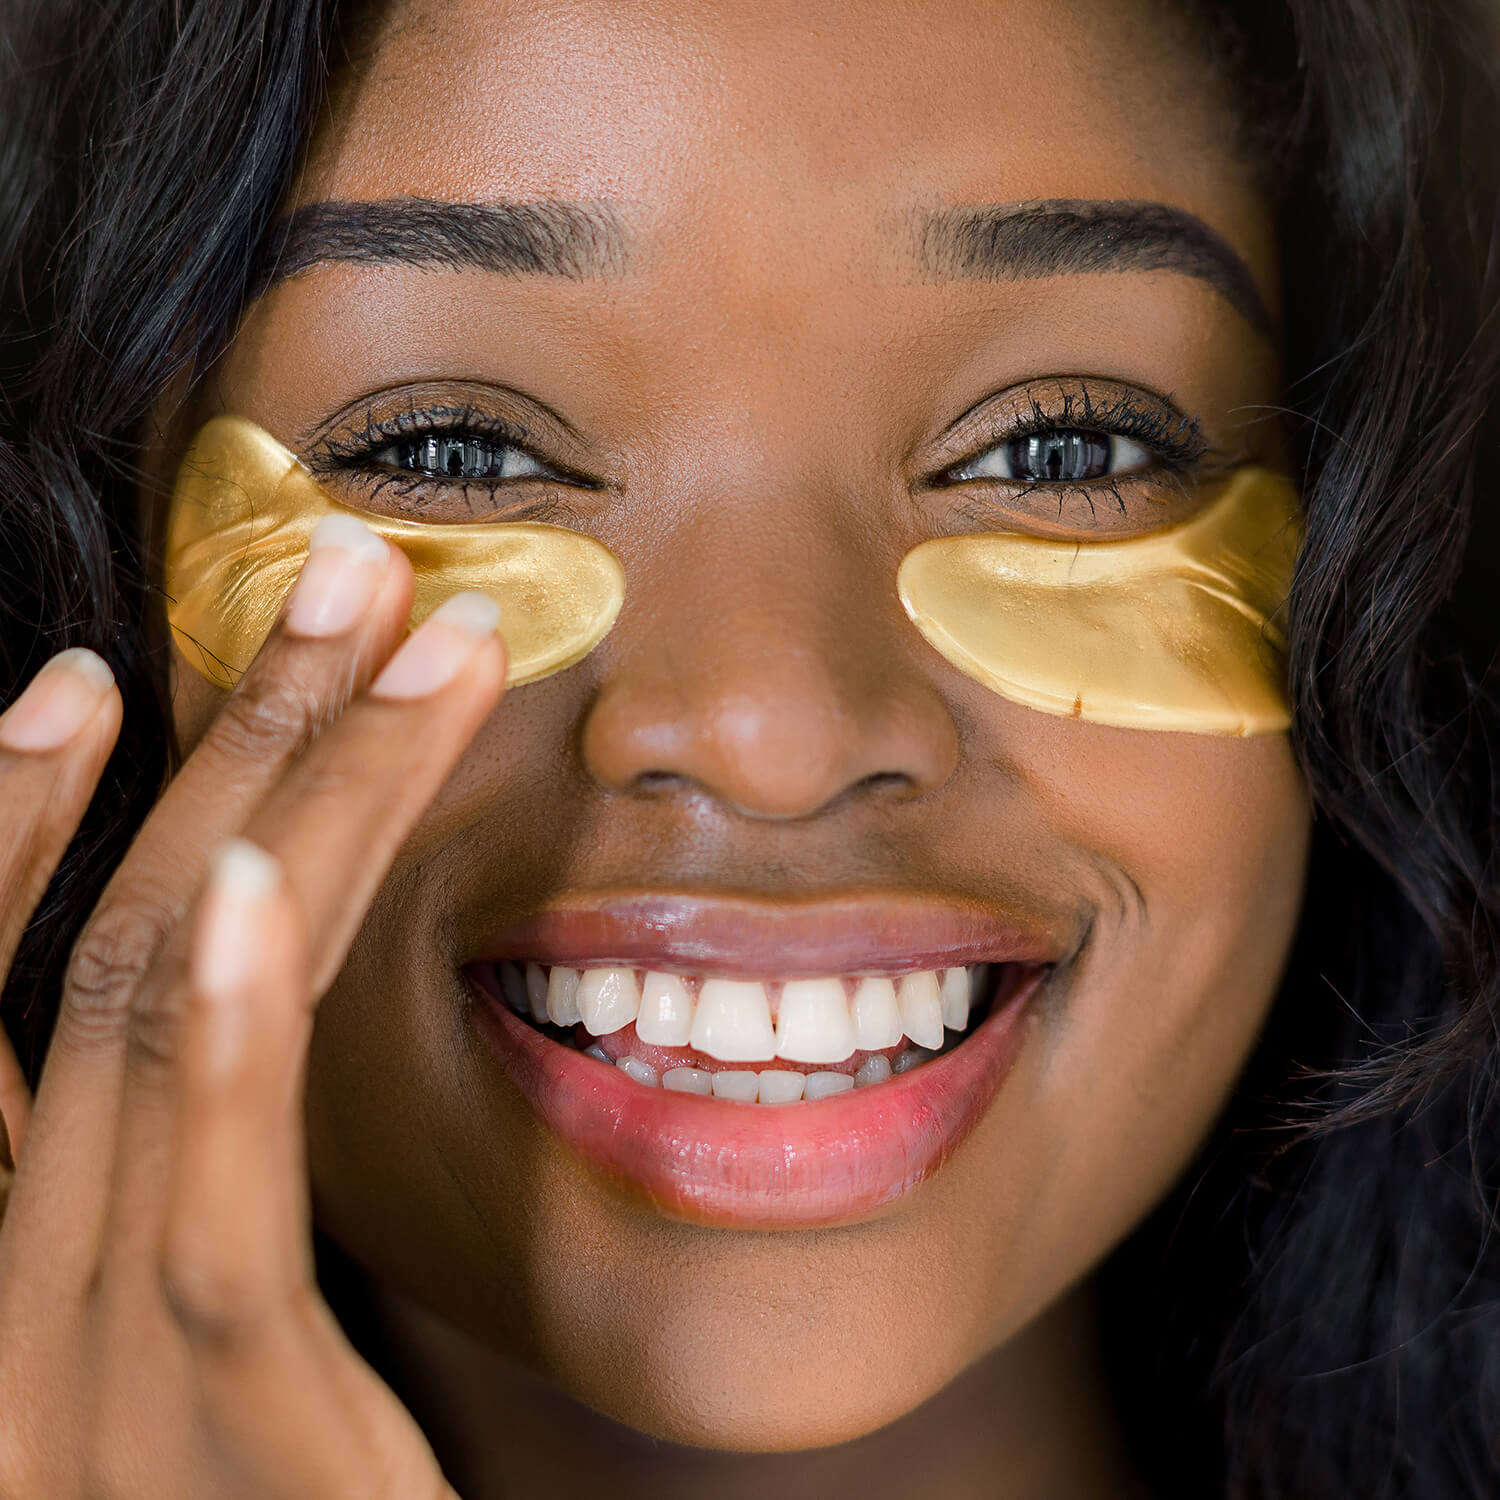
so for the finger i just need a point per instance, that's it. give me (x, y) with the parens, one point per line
(335, 823)
(289, 1403)
(349, 607)
(338, 819)
(54, 741)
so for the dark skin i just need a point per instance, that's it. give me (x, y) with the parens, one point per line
(760, 398)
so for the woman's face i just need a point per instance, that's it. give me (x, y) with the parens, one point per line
(754, 376)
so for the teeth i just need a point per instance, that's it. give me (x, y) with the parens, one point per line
(733, 1021)
(778, 1086)
(597, 1051)
(771, 1085)
(744, 1087)
(955, 997)
(642, 1072)
(536, 991)
(818, 1020)
(877, 1021)
(607, 999)
(813, 1024)
(921, 1004)
(821, 1085)
(513, 987)
(688, 1081)
(666, 1016)
(562, 997)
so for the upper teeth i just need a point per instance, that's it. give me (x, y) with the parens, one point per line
(821, 1020)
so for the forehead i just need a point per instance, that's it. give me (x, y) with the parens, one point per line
(786, 128)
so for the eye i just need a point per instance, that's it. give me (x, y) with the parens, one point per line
(1060, 454)
(459, 456)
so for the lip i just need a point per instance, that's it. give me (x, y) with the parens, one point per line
(722, 1164)
(744, 937)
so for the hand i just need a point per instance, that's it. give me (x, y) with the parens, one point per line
(161, 1331)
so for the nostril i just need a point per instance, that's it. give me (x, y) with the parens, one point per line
(882, 781)
(660, 781)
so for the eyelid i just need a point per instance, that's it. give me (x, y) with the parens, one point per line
(1067, 402)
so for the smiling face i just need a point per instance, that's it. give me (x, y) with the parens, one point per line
(791, 327)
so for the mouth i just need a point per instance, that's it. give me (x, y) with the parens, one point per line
(738, 1101)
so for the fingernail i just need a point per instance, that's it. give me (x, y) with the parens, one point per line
(438, 649)
(58, 702)
(230, 940)
(345, 563)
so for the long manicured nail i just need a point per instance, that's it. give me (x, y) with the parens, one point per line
(439, 648)
(58, 702)
(345, 564)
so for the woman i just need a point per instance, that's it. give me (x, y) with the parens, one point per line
(762, 300)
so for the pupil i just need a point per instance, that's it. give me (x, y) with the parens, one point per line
(1061, 455)
(454, 457)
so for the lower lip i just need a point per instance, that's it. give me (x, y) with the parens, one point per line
(757, 1166)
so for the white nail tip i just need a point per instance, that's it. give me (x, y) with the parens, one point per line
(607, 999)
(347, 534)
(472, 612)
(86, 664)
(244, 871)
(666, 1014)
(562, 997)
(921, 1005)
(813, 1024)
(733, 1021)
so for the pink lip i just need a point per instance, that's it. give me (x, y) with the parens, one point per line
(858, 934)
(751, 1166)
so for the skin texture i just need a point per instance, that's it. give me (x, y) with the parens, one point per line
(761, 389)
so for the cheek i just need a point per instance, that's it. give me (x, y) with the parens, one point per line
(1192, 849)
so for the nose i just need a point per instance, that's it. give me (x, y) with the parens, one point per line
(777, 680)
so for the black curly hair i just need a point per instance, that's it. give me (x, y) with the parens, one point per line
(1314, 1313)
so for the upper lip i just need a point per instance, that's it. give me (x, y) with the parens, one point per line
(856, 933)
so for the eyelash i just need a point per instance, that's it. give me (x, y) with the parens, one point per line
(1172, 437)
(355, 453)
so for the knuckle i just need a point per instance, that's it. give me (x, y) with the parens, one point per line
(107, 965)
(214, 1296)
(268, 715)
(154, 1036)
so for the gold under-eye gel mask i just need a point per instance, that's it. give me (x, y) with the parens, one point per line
(243, 510)
(1175, 629)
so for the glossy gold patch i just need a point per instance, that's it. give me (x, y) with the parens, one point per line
(244, 509)
(1176, 629)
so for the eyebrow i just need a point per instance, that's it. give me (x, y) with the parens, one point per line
(1083, 236)
(544, 238)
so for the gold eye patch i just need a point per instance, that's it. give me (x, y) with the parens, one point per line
(1176, 629)
(243, 510)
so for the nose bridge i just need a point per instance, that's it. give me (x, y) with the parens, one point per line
(760, 663)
